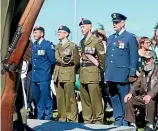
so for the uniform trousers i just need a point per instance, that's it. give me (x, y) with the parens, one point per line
(91, 100)
(118, 91)
(66, 101)
(138, 102)
(44, 102)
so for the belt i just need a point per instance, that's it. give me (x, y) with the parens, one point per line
(65, 65)
(87, 64)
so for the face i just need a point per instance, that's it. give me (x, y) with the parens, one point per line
(148, 64)
(62, 34)
(118, 25)
(86, 29)
(38, 34)
(146, 44)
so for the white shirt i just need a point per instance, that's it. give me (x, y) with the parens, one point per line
(40, 41)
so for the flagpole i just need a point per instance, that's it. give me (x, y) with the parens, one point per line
(75, 22)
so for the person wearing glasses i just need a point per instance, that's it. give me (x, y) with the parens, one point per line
(144, 93)
(67, 63)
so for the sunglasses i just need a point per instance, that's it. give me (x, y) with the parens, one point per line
(147, 59)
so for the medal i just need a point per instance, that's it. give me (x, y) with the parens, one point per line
(121, 44)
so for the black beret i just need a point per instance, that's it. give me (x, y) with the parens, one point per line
(65, 28)
(39, 28)
(118, 17)
(85, 22)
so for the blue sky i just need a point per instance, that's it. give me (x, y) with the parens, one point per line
(142, 15)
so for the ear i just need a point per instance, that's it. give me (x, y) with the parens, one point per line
(42, 34)
(67, 34)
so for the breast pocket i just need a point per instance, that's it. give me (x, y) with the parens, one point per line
(121, 49)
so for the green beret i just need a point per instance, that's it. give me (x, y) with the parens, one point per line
(85, 22)
(65, 28)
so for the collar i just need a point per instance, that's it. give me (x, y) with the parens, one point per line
(88, 36)
(64, 41)
(40, 41)
(121, 31)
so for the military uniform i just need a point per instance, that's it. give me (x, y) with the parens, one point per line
(91, 99)
(121, 63)
(43, 57)
(67, 57)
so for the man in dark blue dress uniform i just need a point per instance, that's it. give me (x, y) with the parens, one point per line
(120, 65)
(43, 58)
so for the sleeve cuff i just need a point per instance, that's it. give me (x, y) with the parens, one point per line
(132, 72)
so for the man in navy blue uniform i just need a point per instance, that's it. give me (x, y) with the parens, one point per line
(43, 58)
(120, 65)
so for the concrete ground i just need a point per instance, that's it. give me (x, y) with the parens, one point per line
(45, 125)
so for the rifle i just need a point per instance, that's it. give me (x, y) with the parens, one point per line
(13, 59)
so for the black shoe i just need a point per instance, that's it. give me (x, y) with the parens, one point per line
(148, 129)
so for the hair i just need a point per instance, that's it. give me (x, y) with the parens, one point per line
(142, 40)
(97, 34)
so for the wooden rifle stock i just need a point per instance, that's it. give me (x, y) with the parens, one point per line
(13, 60)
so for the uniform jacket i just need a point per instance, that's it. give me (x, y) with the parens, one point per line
(43, 57)
(66, 72)
(94, 47)
(121, 57)
(140, 86)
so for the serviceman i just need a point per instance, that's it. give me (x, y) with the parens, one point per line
(144, 93)
(92, 63)
(120, 66)
(43, 58)
(67, 64)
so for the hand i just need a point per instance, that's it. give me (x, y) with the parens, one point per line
(127, 97)
(147, 99)
(131, 79)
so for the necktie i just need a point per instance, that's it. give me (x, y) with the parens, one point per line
(117, 34)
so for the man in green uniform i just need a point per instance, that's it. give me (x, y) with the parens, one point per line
(92, 62)
(68, 59)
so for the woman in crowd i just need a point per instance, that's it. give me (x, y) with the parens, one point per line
(144, 45)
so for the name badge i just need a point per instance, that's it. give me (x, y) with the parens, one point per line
(41, 52)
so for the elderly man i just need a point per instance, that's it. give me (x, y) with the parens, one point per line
(68, 61)
(120, 66)
(144, 93)
(92, 61)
